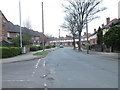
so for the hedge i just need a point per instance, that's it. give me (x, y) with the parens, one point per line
(53, 46)
(47, 47)
(7, 52)
(35, 48)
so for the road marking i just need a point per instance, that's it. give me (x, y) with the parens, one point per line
(44, 63)
(33, 74)
(44, 76)
(16, 80)
(45, 86)
(36, 66)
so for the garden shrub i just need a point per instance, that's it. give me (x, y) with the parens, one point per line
(40, 48)
(47, 47)
(10, 51)
(34, 48)
(53, 46)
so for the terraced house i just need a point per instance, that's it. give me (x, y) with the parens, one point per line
(8, 31)
(3, 29)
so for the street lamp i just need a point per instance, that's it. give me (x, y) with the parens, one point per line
(43, 26)
(20, 24)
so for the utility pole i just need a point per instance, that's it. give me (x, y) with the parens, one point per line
(87, 36)
(59, 33)
(43, 27)
(59, 36)
(20, 24)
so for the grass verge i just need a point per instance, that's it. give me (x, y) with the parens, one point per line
(42, 53)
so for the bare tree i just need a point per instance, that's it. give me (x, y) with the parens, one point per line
(27, 24)
(70, 25)
(84, 11)
(27, 29)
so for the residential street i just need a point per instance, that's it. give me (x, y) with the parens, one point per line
(62, 68)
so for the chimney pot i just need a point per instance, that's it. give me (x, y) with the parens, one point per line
(102, 25)
(108, 20)
(94, 30)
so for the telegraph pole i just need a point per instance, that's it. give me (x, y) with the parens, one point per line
(43, 27)
(59, 33)
(20, 24)
(59, 36)
(87, 36)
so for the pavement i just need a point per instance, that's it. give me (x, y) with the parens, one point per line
(25, 57)
(109, 55)
(30, 56)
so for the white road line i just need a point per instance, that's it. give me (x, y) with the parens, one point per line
(44, 64)
(45, 85)
(33, 74)
(16, 80)
(36, 66)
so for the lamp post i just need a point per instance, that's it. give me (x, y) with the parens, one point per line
(20, 24)
(43, 26)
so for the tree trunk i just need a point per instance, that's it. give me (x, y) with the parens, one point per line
(74, 42)
(79, 43)
(101, 48)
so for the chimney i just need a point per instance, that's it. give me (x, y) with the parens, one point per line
(94, 30)
(102, 25)
(108, 20)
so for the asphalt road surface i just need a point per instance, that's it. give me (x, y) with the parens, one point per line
(62, 68)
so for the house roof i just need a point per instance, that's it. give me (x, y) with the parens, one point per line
(3, 15)
(32, 32)
(16, 29)
(12, 28)
(111, 22)
(117, 22)
(114, 22)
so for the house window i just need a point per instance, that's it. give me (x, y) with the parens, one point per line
(17, 34)
(8, 34)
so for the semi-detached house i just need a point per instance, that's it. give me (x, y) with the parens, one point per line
(93, 37)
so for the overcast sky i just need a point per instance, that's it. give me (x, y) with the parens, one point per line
(53, 14)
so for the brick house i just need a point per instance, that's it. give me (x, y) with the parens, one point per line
(3, 29)
(66, 41)
(12, 30)
(35, 37)
(8, 31)
(93, 37)
(84, 38)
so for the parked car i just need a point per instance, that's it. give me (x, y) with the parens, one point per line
(61, 46)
